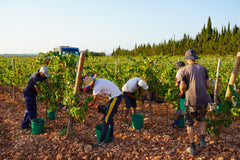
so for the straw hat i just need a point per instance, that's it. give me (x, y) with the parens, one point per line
(87, 81)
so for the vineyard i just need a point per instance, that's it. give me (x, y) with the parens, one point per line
(156, 140)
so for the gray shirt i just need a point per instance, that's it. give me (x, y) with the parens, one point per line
(195, 76)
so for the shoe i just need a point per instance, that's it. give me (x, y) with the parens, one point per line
(111, 139)
(125, 121)
(174, 125)
(99, 144)
(203, 143)
(27, 127)
(192, 151)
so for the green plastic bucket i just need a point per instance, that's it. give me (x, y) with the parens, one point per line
(51, 114)
(182, 106)
(181, 121)
(98, 129)
(37, 125)
(218, 106)
(137, 121)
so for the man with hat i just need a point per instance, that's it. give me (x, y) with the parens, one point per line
(194, 78)
(105, 87)
(30, 92)
(129, 89)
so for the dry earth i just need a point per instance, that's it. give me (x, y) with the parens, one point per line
(155, 140)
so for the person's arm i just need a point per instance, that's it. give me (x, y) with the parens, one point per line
(94, 100)
(48, 84)
(38, 89)
(176, 82)
(207, 84)
(182, 87)
(132, 96)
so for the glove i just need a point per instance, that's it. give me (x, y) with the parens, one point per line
(181, 95)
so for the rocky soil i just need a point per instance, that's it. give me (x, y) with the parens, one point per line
(156, 140)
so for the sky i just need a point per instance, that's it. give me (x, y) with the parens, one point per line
(28, 26)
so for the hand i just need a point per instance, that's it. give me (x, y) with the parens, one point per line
(181, 95)
(238, 91)
(80, 104)
(142, 100)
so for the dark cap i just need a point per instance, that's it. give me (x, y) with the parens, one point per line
(190, 54)
(180, 64)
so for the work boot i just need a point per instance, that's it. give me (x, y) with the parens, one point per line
(203, 143)
(192, 151)
(99, 144)
(111, 139)
(174, 125)
(27, 127)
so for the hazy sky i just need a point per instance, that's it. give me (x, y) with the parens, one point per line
(30, 26)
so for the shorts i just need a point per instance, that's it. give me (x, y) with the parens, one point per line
(129, 101)
(195, 112)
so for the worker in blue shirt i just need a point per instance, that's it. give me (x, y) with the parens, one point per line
(30, 92)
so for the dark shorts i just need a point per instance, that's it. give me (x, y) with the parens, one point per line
(129, 101)
(195, 112)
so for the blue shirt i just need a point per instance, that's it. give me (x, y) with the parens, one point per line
(35, 77)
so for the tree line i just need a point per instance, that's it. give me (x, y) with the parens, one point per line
(209, 41)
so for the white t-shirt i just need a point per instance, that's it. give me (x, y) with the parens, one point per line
(131, 85)
(178, 74)
(106, 87)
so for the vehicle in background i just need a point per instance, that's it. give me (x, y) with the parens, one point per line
(67, 50)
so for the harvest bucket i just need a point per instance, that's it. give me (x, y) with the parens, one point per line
(98, 129)
(181, 121)
(137, 121)
(218, 106)
(37, 125)
(51, 114)
(182, 106)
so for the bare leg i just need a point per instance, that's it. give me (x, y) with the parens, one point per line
(126, 113)
(202, 125)
(134, 110)
(190, 133)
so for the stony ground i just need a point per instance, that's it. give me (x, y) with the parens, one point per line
(155, 140)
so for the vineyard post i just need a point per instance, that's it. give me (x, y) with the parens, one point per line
(150, 107)
(76, 90)
(155, 63)
(116, 67)
(233, 77)
(167, 112)
(13, 69)
(216, 83)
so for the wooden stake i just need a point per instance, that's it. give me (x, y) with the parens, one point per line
(216, 83)
(13, 88)
(150, 107)
(76, 90)
(233, 77)
(79, 73)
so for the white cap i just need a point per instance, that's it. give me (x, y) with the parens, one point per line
(143, 84)
(44, 70)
